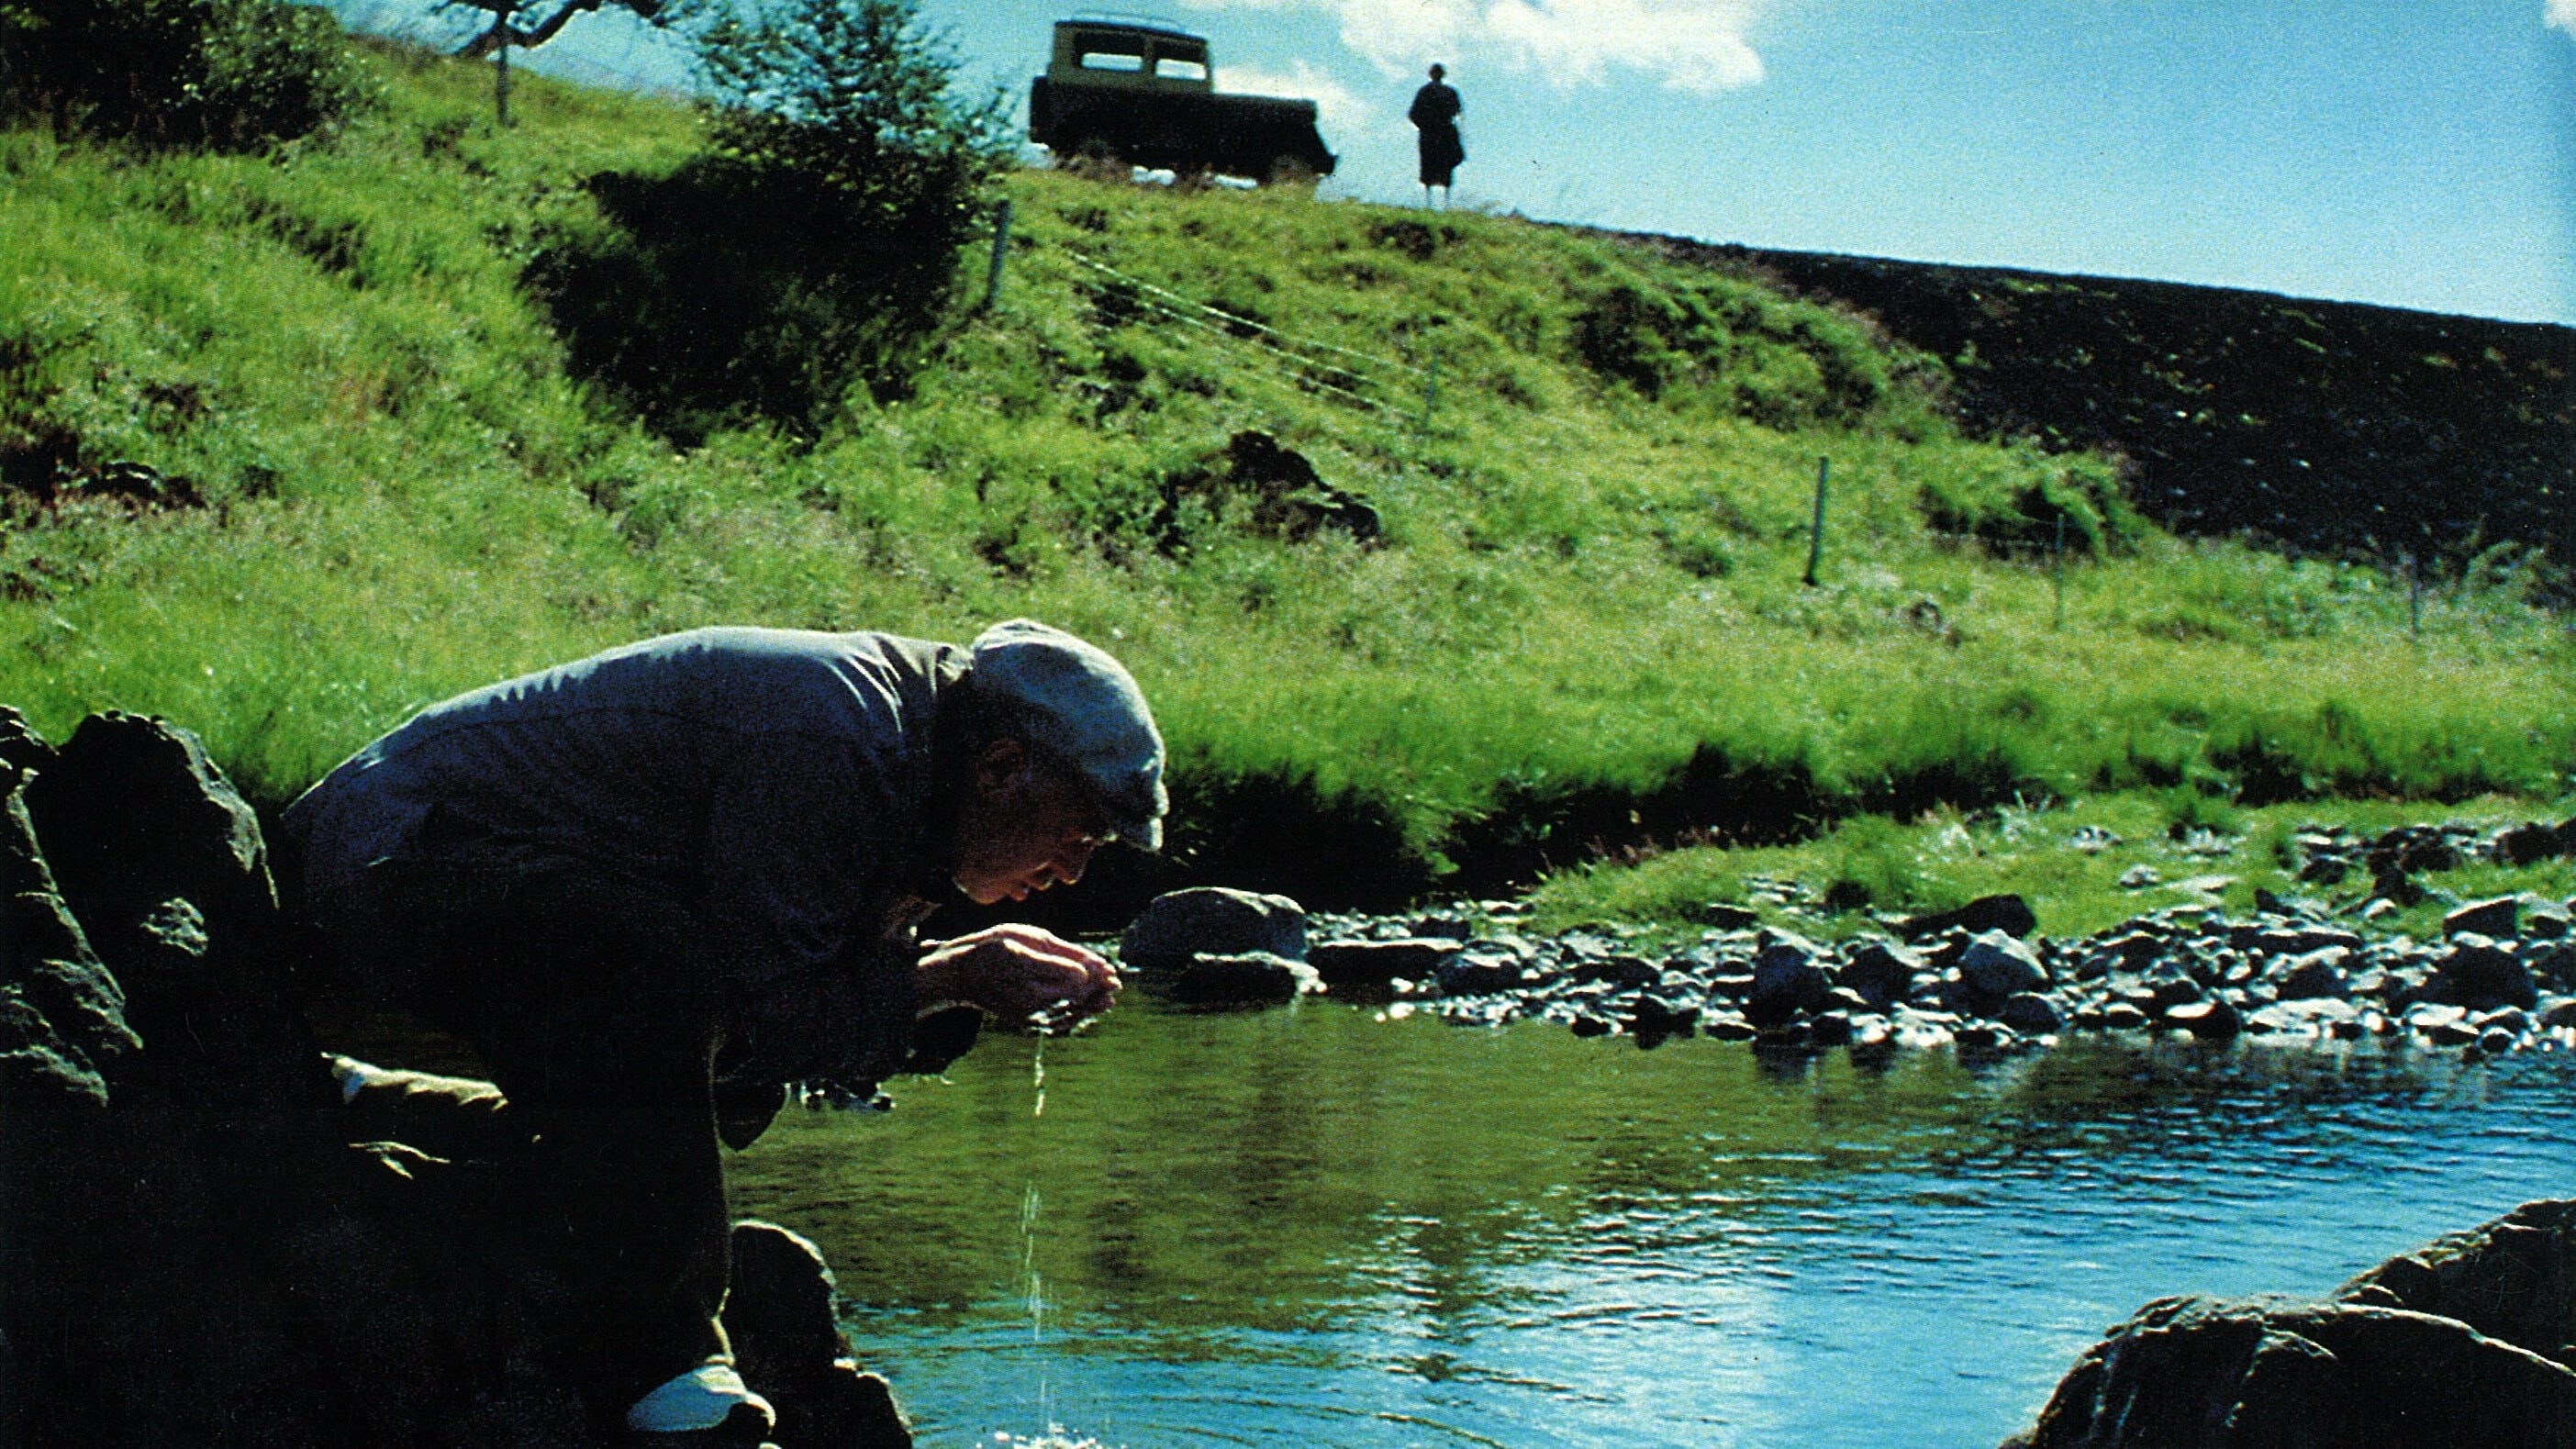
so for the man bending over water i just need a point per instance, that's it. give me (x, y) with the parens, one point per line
(654, 887)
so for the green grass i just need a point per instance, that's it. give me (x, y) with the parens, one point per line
(2204, 851)
(1584, 624)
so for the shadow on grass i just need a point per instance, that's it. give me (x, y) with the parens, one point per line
(724, 294)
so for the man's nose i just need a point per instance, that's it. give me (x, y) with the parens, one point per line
(1072, 859)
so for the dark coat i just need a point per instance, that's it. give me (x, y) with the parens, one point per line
(1435, 113)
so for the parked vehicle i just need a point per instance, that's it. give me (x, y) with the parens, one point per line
(1145, 94)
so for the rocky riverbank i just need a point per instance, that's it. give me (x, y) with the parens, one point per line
(2500, 978)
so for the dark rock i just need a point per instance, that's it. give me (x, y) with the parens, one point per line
(2202, 1373)
(2414, 849)
(63, 1030)
(2530, 843)
(1627, 973)
(1727, 1026)
(1996, 966)
(161, 862)
(1479, 976)
(1342, 964)
(1444, 927)
(1727, 917)
(1212, 921)
(2009, 914)
(1248, 978)
(2316, 974)
(2136, 950)
(1976, 1036)
(2495, 917)
(21, 748)
(2512, 1279)
(1844, 999)
(2558, 1013)
(2480, 975)
(1786, 981)
(788, 1346)
(1883, 973)
(2163, 993)
(1655, 1021)
(1830, 1029)
(2546, 925)
(2395, 887)
(2031, 1014)
(1587, 1024)
(2211, 1019)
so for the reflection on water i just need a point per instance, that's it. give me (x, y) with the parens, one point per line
(1313, 1227)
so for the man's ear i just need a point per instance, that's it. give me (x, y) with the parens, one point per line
(1003, 764)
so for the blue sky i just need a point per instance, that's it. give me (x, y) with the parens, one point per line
(2418, 153)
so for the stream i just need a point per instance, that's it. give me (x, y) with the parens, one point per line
(1316, 1226)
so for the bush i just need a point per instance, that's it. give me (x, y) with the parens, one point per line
(813, 249)
(236, 74)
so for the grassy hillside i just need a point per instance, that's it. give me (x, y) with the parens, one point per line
(373, 473)
(2332, 427)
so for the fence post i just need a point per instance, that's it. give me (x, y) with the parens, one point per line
(1816, 533)
(1001, 248)
(2057, 573)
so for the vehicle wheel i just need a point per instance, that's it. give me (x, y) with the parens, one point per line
(1291, 171)
(1094, 159)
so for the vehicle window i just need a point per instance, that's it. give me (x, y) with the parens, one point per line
(1174, 68)
(1112, 60)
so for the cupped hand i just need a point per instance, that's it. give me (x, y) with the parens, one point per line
(1019, 974)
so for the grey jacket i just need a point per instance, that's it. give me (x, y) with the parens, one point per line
(778, 781)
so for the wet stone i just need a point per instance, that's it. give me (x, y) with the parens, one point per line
(2031, 1014)
(2213, 1019)
(2496, 916)
(1997, 965)
(1879, 972)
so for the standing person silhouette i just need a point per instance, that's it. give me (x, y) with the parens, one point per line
(1435, 115)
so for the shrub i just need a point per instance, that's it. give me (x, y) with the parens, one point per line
(235, 74)
(814, 248)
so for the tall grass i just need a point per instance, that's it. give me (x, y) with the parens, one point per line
(1583, 624)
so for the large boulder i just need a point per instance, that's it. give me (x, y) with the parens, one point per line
(787, 1341)
(2466, 1343)
(2204, 1373)
(1212, 921)
(161, 861)
(2512, 1279)
(62, 1016)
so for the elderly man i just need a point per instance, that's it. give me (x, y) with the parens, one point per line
(654, 887)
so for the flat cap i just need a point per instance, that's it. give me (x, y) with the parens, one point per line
(1082, 706)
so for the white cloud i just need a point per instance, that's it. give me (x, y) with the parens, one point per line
(2562, 13)
(1690, 45)
(1340, 108)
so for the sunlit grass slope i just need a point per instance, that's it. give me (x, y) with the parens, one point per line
(1584, 621)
